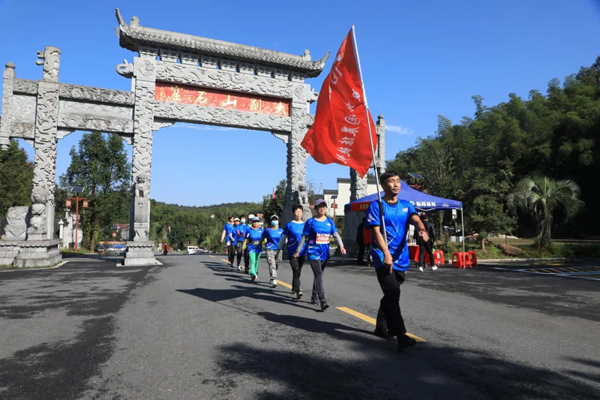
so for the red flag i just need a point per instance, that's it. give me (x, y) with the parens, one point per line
(274, 195)
(340, 133)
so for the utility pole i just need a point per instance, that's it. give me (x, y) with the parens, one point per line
(77, 189)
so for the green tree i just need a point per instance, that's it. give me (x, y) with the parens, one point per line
(16, 178)
(100, 165)
(274, 206)
(543, 198)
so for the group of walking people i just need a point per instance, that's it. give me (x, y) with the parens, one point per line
(388, 222)
(308, 240)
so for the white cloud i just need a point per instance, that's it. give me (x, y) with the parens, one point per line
(399, 129)
(201, 127)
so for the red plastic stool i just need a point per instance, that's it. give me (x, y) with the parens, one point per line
(413, 253)
(473, 258)
(439, 257)
(461, 260)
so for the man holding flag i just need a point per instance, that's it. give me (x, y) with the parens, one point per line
(344, 133)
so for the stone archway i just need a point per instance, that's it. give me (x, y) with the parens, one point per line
(175, 77)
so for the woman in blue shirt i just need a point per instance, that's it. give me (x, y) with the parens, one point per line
(253, 242)
(272, 236)
(293, 234)
(317, 232)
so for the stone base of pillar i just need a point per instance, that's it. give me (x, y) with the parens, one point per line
(9, 249)
(35, 253)
(139, 254)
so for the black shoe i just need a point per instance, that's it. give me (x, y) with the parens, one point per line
(405, 342)
(314, 301)
(381, 333)
(324, 306)
(299, 295)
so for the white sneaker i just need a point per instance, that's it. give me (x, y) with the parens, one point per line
(274, 282)
(433, 267)
(240, 268)
(421, 269)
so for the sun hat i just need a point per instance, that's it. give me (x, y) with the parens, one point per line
(274, 217)
(255, 219)
(319, 202)
(237, 219)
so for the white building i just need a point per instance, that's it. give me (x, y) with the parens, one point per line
(341, 196)
(66, 231)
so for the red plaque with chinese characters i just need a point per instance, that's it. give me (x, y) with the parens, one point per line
(221, 99)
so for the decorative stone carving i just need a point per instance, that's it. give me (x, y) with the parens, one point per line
(358, 186)
(16, 228)
(221, 116)
(302, 199)
(39, 253)
(25, 86)
(282, 136)
(107, 96)
(125, 69)
(296, 159)
(44, 171)
(134, 37)
(143, 124)
(37, 223)
(92, 123)
(225, 80)
(7, 96)
(142, 207)
(50, 59)
(24, 109)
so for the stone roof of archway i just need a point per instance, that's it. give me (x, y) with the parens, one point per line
(134, 36)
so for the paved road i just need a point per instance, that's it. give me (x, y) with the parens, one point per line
(194, 328)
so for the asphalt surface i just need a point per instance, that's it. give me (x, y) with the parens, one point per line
(194, 328)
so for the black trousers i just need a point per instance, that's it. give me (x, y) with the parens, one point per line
(296, 264)
(389, 317)
(318, 292)
(239, 252)
(231, 253)
(425, 247)
(247, 259)
(361, 253)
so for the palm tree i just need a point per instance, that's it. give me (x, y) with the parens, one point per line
(542, 197)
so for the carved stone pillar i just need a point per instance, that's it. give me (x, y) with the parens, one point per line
(380, 128)
(358, 186)
(41, 225)
(296, 163)
(140, 248)
(7, 92)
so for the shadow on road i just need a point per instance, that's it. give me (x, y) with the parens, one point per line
(413, 375)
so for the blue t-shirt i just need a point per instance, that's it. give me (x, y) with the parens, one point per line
(254, 237)
(273, 236)
(397, 217)
(293, 232)
(228, 228)
(319, 233)
(240, 231)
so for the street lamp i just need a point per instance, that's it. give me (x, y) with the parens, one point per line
(77, 190)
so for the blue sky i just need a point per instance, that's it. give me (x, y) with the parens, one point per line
(420, 59)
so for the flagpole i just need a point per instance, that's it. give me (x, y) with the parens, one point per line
(362, 83)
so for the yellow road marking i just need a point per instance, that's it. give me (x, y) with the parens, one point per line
(287, 285)
(213, 257)
(373, 321)
(555, 264)
(227, 261)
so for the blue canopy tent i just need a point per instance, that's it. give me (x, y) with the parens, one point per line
(423, 202)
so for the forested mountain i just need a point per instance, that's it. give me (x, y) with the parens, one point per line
(480, 159)
(183, 225)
